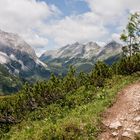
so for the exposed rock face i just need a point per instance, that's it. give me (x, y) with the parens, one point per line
(11, 43)
(111, 49)
(122, 121)
(82, 56)
(76, 50)
(18, 56)
(85, 51)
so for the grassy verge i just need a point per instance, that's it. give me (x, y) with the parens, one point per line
(78, 116)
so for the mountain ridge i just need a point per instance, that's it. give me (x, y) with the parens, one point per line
(82, 56)
(19, 57)
(89, 47)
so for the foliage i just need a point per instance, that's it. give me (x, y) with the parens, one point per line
(131, 36)
(8, 83)
(100, 73)
(67, 107)
(64, 106)
(127, 65)
(77, 116)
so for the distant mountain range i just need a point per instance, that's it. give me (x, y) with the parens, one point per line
(20, 59)
(19, 63)
(82, 56)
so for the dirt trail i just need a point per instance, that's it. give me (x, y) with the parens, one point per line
(122, 120)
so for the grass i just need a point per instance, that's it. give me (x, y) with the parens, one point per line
(77, 117)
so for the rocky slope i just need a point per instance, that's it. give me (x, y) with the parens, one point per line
(19, 58)
(109, 50)
(76, 50)
(83, 56)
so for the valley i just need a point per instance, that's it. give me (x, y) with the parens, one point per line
(81, 91)
(20, 59)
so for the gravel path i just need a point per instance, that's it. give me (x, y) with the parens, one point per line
(122, 120)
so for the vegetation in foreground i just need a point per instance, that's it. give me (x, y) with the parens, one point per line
(67, 107)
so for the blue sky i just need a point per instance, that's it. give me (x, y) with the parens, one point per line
(69, 7)
(50, 24)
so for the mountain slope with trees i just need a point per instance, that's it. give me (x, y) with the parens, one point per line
(19, 58)
(9, 83)
(68, 107)
(65, 107)
(82, 56)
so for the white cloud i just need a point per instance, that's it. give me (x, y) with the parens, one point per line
(104, 22)
(24, 17)
(113, 11)
(32, 20)
(36, 40)
(76, 28)
(116, 37)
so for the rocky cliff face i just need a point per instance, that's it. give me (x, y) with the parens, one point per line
(110, 49)
(19, 57)
(76, 50)
(83, 56)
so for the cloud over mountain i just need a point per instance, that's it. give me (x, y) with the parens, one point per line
(44, 25)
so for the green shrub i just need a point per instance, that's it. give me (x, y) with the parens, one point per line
(100, 73)
(128, 65)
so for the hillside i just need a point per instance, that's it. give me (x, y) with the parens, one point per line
(69, 107)
(9, 83)
(78, 116)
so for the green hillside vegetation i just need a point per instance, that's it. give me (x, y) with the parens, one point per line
(67, 107)
(70, 107)
(8, 83)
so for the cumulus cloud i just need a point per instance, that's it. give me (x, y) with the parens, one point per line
(39, 23)
(113, 12)
(81, 28)
(24, 17)
(104, 22)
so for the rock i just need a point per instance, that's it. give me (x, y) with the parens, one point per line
(114, 134)
(137, 119)
(137, 131)
(128, 129)
(19, 58)
(127, 135)
(115, 125)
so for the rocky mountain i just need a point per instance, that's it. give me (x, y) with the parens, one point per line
(109, 50)
(83, 56)
(76, 50)
(19, 58)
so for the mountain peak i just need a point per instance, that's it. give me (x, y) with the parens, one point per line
(92, 43)
(112, 43)
(76, 43)
(76, 50)
(17, 55)
(15, 42)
